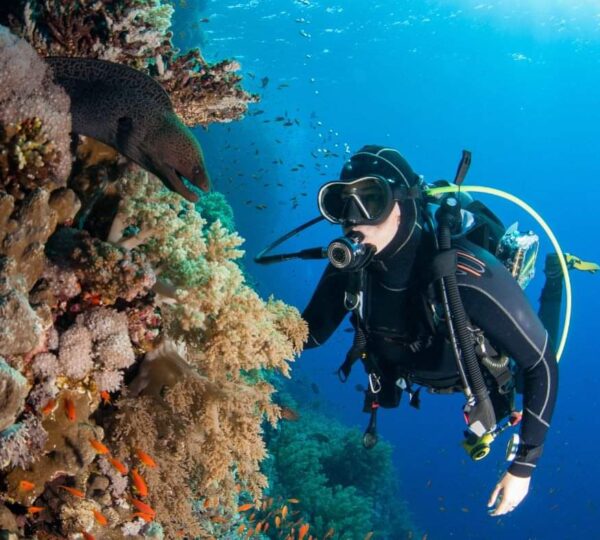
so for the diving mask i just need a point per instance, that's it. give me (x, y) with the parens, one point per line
(365, 201)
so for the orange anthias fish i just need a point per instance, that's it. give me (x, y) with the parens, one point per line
(294, 501)
(139, 483)
(146, 517)
(99, 447)
(143, 507)
(70, 409)
(145, 458)
(118, 465)
(303, 530)
(25, 485)
(284, 511)
(100, 518)
(49, 407)
(289, 414)
(35, 509)
(329, 533)
(105, 396)
(245, 507)
(88, 536)
(73, 491)
(277, 521)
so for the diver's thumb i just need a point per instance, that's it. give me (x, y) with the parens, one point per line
(494, 495)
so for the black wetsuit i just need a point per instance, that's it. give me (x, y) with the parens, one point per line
(395, 320)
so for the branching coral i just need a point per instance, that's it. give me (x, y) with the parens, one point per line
(125, 31)
(202, 408)
(205, 436)
(206, 93)
(213, 206)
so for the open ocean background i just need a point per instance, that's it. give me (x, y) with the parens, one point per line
(517, 83)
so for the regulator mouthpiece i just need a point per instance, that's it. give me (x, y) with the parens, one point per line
(349, 253)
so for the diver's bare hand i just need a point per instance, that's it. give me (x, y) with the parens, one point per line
(508, 494)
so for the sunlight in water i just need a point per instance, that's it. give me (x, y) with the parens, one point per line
(546, 19)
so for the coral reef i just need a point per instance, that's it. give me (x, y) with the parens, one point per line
(35, 161)
(135, 33)
(136, 363)
(321, 470)
(135, 359)
(214, 392)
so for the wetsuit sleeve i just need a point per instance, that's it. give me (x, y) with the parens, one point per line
(326, 310)
(496, 303)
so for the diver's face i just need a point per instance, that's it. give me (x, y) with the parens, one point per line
(382, 234)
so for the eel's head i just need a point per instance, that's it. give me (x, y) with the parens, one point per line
(176, 154)
(173, 175)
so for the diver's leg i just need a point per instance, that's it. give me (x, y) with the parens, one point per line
(551, 297)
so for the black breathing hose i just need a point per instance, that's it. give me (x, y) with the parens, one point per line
(484, 408)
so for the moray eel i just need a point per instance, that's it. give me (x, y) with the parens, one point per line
(130, 111)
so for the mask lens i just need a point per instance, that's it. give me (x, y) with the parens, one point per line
(365, 200)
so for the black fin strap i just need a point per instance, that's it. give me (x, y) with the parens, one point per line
(352, 356)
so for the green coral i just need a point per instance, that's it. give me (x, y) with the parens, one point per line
(27, 157)
(213, 206)
(339, 484)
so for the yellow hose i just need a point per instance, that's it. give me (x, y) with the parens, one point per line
(547, 230)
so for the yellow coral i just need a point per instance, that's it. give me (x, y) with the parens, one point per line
(202, 409)
(27, 157)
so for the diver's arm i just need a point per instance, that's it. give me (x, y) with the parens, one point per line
(326, 310)
(496, 303)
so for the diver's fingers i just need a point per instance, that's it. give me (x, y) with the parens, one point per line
(504, 507)
(494, 495)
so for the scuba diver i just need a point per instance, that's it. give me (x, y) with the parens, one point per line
(435, 304)
(399, 333)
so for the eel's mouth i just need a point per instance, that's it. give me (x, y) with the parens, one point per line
(175, 181)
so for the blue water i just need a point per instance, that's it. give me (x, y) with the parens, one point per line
(516, 82)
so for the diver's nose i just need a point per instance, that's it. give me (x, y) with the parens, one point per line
(351, 213)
